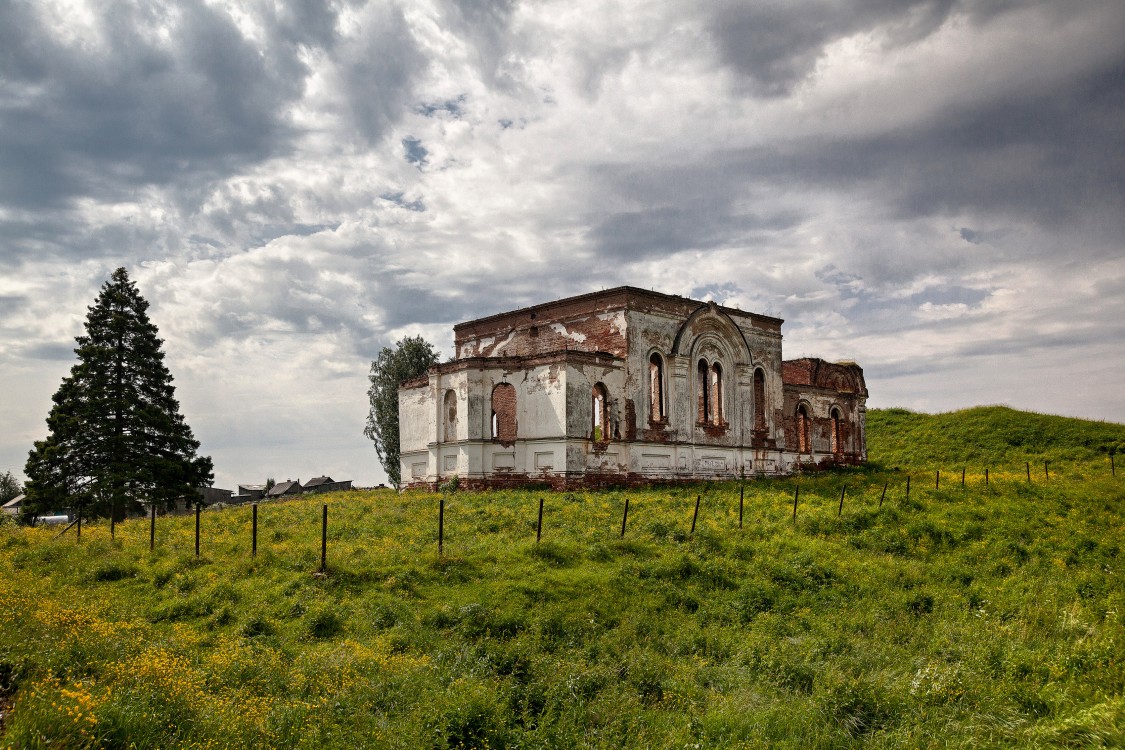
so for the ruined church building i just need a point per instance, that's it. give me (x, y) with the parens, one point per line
(626, 386)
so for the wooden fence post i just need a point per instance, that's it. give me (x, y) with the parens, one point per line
(152, 528)
(441, 526)
(741, 496)
(112, 522)
(907, 486)
(694, 515)
(1112, 468)
(624, 516)
(840, 512)
(962, 476)
(198, 506)
(254, 531)
(1046, 474)
(78, 538)
(796, 494)
(937, 479)
(986, 477)
(884, 494)
(1029, 472)
(539, 526)
(324, 539)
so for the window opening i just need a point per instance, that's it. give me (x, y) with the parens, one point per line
(759, 400)
(802, 430)
(600, 431)
(656, 387)
(704, 391)
(837, 434)
(504, 412)
(717, 394)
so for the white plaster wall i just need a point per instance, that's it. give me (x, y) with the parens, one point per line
(416, 408)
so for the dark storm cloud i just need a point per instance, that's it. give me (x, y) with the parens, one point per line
(101, 118)
(1015, 158)
(684, 207)
(664, 230)
(775, 45)
(1028, 156)
(484, 25)
(376, 69)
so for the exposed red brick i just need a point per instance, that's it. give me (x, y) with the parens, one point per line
(504, 407)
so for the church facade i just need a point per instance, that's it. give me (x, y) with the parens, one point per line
(626, 386)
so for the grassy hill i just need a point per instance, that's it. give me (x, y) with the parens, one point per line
(952, 617)
(990, 436)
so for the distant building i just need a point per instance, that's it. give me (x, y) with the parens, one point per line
(12, 507)
(212, 495)
(286, 488)
(626, 385)
(326, 484)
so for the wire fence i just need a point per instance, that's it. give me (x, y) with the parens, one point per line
(857, 488)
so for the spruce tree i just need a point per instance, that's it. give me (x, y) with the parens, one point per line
(116, 436)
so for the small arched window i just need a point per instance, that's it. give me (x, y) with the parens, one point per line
(656, 388)
(600, 413)
(759, 400)
(803, 429)
(702, 382)
(449, 416)
(837, 432)
(716, 394)
(504, 412)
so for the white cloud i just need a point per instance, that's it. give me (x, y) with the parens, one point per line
(930, 190)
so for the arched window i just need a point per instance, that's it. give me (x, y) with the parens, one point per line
(504, 412)
(837, 432)
(702, 383)
(803, 429)
(449, 415)
(656, 388)
(759, 400)
(716, 394)
(600, 427)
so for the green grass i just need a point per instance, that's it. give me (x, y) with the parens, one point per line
(994, 437)
(955, 617)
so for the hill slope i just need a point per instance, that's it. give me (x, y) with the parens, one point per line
(989, 436)
(975, 616)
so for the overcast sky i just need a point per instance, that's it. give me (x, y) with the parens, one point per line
(932, 188)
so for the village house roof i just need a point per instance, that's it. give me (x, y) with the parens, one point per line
(317, 481)
(288, 487)
(14, 503)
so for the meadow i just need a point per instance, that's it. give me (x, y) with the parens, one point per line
(974, 615)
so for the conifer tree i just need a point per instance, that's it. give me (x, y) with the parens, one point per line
(116, 437)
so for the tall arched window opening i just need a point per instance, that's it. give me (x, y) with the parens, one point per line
(600, 418)
(449, 415)
(504, 412)
(702, 379)
(759, 400)
(656, 388)
(837, 432)
(716, 394)
(803, 445)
